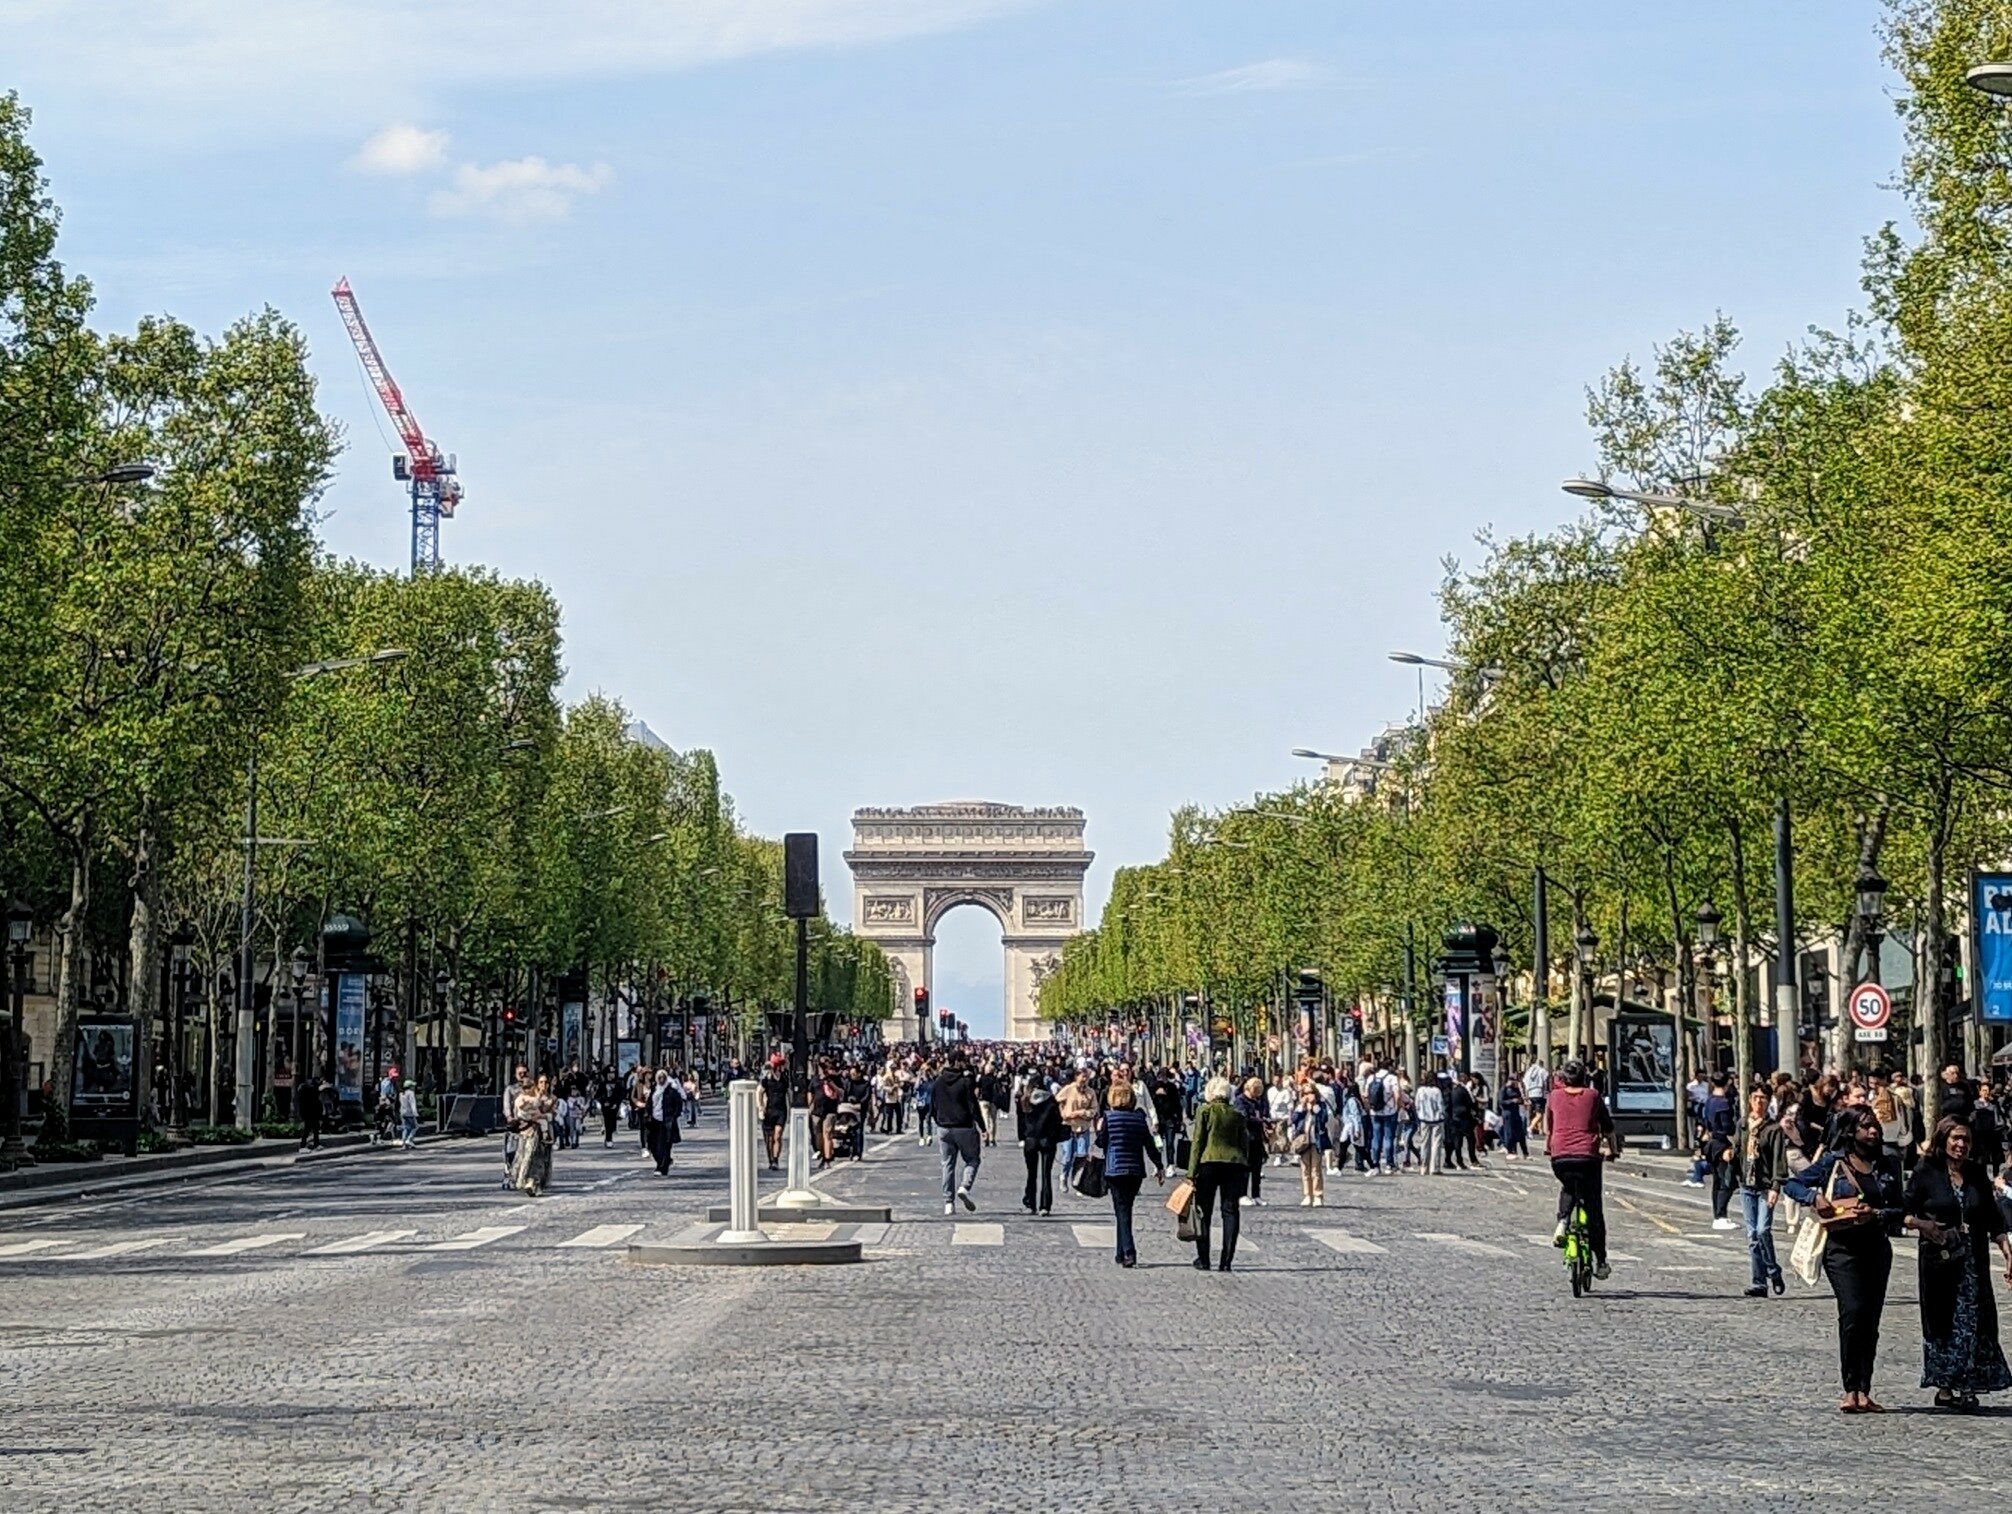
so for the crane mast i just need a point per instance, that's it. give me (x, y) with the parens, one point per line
(423, 467)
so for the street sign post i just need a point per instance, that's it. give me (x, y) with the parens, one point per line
(1870, 1007)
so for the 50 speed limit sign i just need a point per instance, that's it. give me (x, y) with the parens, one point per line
(1870, 1009)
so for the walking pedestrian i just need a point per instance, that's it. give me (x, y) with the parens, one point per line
(1128, 1146)
(608, 1093)
(1251, 1104)
(953, 1101)
(516, 1091)
(408, 1117)
(1857, 1197)
(1760, 1164)
(1515, 1133)
(1221, 1142)
(1041, 1131)
(1430, 1101)
(308, 1101)
(534, 1138)
(1078, 1103)
(1309, 1142)
(1950, 1203)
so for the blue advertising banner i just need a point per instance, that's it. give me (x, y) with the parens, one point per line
(1991, 908)
(352, 997)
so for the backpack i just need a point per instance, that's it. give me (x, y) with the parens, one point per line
(1378, 1096)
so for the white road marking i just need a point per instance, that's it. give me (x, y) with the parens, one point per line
(474, 1238)
(365, 1242)
(22, 1248)
(1089, 1236)
(1340, 1240)
(1612, 1255)
(978, 1234)
(114, 1248)
(250, 1243)
(1462, 1243)
(601, 1235)
(870, 1235)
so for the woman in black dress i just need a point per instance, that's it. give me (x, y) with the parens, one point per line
(1857, 1195)
(1951, 1204)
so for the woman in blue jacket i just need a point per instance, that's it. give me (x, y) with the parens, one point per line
(1310, 1143)
(1128, 1146)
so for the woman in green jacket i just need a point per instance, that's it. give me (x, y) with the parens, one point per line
(1220, 1166)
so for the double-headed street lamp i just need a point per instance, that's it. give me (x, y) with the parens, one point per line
(247, 1037)
(1583, 487)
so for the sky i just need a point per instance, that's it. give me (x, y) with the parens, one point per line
(1043, 401)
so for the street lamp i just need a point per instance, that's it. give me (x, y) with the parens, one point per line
(1708, 925)
(247, 1036)
(1587, 944)
(20, 926)
(1871, 889)
(1991, 79)
(118, 473)
(1583, 487)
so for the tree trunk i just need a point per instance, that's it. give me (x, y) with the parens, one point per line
(1680, 952)
(1743, 1070)
(1928, 992)
(69, 962)
(143, 933)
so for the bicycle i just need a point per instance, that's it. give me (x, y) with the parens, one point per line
(1579, 1251)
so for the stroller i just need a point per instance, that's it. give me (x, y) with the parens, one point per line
(845, 1131)
(384, 1123)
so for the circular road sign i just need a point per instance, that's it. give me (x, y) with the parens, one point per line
(1870, 1007)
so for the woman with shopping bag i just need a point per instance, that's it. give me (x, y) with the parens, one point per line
(1221, 1168)
(1855, 1197)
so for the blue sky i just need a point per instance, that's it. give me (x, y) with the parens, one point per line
(1037, 400)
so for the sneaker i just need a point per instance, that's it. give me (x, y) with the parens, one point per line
(1758, 1290)
(1247, 1201)
(949, 1208)
(1780, 1285)
(1306, 1203)
(1602, 1271)
(1319, 1202)
(964, 1196)
(1692, 1183)
(1558, 1236)
(1722, 1223)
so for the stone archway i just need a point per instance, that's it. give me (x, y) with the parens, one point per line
(911, 867)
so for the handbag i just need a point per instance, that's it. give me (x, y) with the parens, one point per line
(1184, 1227)
(1301, 1144)
(1806, 1260)
(1087, 1177)
(1179, 1197)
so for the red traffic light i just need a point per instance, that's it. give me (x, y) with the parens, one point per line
(921, 996)
(509, 1015)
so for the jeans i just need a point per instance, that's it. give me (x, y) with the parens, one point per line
(1383, 1140)
(1041, 1168)
(1227, 1179)
(1759, 1216)
(1579, 1182)
(1078, 1145)
(1858, 1270)
(1432, 1156)
(1124, 1192)
(1723, 1188)
(408, 1129)
(953, 1144)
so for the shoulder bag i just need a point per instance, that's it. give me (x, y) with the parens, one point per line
(1806, 1260)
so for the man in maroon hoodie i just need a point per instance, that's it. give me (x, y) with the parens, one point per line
(1577, 1126)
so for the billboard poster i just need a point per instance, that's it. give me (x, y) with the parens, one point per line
(104, 1082)
(1456, 1028)
(570, 1017)
(1991, 909)
(627, 1054)
(1644, 1061)
(352, 999)
(1485, 1020)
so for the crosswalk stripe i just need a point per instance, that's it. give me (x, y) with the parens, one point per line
(871, 1235)
(1612, 1254)
(601, 1235)
(1340, 1240)
(250, 1243)
(1095, 1236)
(474, 1238)
(365, 1242)
(978, 1234)
(113, 1248)
(22, 1248)
(1461, 1243)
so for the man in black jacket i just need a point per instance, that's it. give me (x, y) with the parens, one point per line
(954, 1106)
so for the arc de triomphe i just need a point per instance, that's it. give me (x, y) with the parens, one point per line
(911, 867)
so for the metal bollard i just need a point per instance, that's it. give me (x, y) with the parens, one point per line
(743, 1219)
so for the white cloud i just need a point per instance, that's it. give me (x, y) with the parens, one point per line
(519, 190)
(1272, 76)
(214, 68)
(402, 150)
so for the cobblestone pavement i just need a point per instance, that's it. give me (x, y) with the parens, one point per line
(399, 1332)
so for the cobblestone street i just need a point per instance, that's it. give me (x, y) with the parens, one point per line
(399, 1331)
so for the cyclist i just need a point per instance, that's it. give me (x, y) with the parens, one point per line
(1578, 1129)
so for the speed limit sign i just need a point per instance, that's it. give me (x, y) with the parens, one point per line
(1870, 1009)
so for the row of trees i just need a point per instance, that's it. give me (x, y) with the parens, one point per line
(1809, 610)
(174, 644)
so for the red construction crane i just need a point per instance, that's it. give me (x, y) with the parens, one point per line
(429, 471)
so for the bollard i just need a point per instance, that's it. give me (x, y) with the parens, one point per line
(743, 1227)
(799, 1194)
